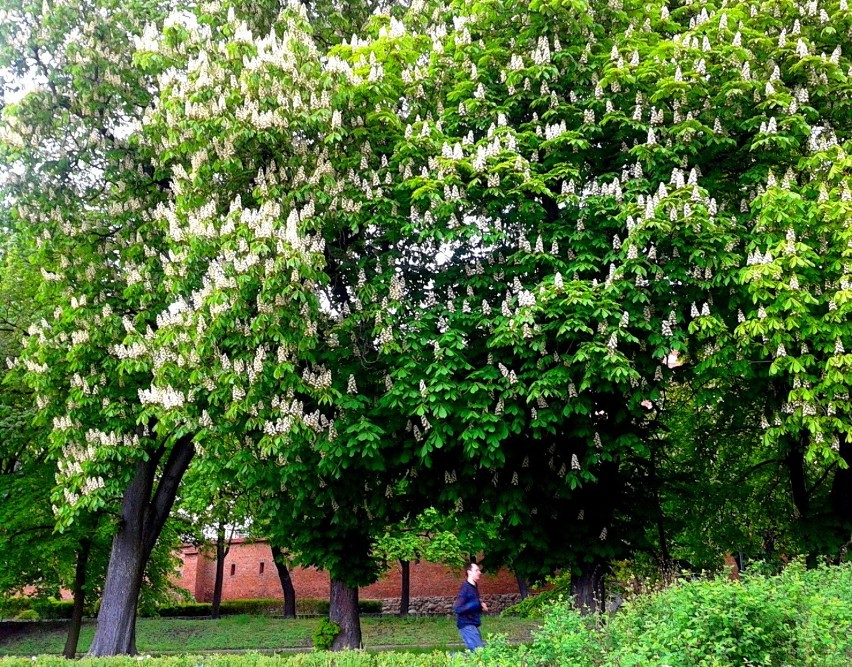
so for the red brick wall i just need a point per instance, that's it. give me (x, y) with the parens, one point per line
(427, 579)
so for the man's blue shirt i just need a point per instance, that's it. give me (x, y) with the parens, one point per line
(468, 607)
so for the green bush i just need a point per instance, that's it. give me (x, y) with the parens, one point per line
(44, 608)
(10, 607)
(27, 615)
(50, 609)
(311, 607)
(191, 609)
(364, 606)
(370, 606)
(800, 617)
(252, 607)
(261, 607)
(559, 587)
(323, 636)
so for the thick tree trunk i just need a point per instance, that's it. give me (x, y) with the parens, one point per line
(142, 519)
(79, 594)
(405, 592)
(523, 588)
(343, 610)
(587, 588)
(221, 552)
(279, 557)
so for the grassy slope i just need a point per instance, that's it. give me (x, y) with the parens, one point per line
(257, 632)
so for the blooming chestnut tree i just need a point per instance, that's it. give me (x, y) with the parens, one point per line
(452, 259)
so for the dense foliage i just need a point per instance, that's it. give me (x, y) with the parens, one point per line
(800, 617)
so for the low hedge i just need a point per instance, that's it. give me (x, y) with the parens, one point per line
(27, 608)
(364, 606)
(261, 607)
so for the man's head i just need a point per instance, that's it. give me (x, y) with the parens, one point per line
(473, 573)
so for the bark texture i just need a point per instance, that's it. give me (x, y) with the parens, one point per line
(222, 549)
(588, 588)
(343, 610)
(143, 513)
(405, 592)
(523, 587)
(279, 557)
(79, 594)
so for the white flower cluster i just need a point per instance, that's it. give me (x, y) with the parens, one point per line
(135, 350)
(757, 259)
(111, 438)
(167, 396)
(318, 378)
(34, 367)
(92, 484)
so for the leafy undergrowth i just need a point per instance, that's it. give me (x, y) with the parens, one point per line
(798, 618)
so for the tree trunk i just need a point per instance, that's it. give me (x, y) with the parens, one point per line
(279, 557)
(798, 485)
(79, 594)
(841, 489)
(523, 588)
(343, 610)
(405, 592)
(142, 519)
(587, 588)
(221, 552)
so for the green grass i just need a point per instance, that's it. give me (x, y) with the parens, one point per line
(155, 635)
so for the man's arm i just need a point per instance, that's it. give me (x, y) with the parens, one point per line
(465, 603)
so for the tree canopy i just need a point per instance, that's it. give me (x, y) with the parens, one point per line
(458, 259)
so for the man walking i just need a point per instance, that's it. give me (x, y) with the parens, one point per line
(469, 608)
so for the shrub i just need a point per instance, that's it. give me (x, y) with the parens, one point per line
(252, 607)
(323, 636)
(50, 609)
(311, 607)
(43, 607)
(28, 615)
(559, 587)
(192, 609)
(364, 606)
(261, 607)
(370, 606)
(798, 617)
(10, 607)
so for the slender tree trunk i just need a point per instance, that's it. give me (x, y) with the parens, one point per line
(221, 552)
(79, 593)
(588, 588)
(660, 520)
(279, 557)
(405, 593)
(343, 610)
(523, 588)
(798, 484)
(142, 519)
(841, 488)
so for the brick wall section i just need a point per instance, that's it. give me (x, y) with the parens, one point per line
(428, 580)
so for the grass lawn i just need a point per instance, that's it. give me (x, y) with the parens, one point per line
(154, 635)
